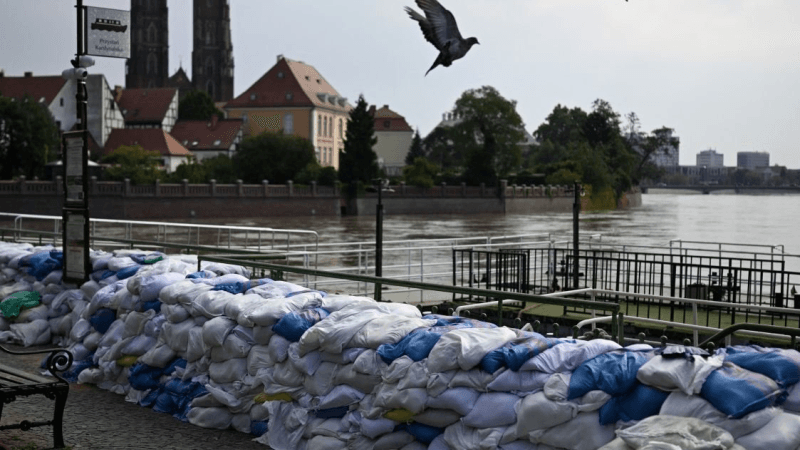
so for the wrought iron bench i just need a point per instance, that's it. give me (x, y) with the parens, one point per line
(15, 382)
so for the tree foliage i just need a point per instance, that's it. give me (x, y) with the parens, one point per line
(498, 130)
(197, 105)
(138, 165)
(271, 156)
(416, 149)
(29, 138)
(421, 173)
(359, 162)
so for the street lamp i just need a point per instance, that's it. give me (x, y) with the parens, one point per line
(576, 209)
(380, 185)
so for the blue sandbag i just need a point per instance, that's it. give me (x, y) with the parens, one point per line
(614, 373)
(177, 362)
(781, 365)
(102, 319)
(40, 264)
(737, 391)
(143, 377)
(493, 361)
(151, 258)
(517, 354)
(155, 305)
(332, 413)
(641, 402)
(416, 345)
(423, 433)
(292, 325)
(258, 428)
(77, 367)
(128, 272)
(240, 287)
(200, 274)
(151, 397)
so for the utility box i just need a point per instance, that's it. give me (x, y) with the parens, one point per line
(697, 290)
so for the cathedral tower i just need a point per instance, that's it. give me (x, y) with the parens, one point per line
(148, 66)
(212, 54)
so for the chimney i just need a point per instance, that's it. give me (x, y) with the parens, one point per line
(28, 74)
(385, 106)
(280, 57)
(2, 73)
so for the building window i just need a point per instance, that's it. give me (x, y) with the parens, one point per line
(289, 96)
(210, 88)
(61, 101)
(387, 124)
(319, 126)
(209, 67)
(152, 63)
(341, 130)
(151, 33)
(325, 126)
(288, 123)
(316, 152)
(280, 75)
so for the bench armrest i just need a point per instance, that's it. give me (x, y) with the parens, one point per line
(60, 359)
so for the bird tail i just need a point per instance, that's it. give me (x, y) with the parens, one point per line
(435, 63)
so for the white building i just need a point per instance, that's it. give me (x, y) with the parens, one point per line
(394, 139)
(709, 158)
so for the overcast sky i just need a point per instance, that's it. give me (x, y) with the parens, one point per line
(725, 74)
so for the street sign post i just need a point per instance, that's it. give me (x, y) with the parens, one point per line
(108, 32)
(75, 162)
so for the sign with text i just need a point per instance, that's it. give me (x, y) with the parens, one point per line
(108, 32)
(75, 162)
(75, 222)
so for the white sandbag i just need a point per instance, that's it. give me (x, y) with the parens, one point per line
(287, 423)
(225, 278)
(233, 347)
(216, 330)
(392, 441)
(460, 400)
(53, 277)
(462, 437)
(476, 378)
(30, 314)
(183, 292)
(213, 418)
(159, 356)
(372, 428)
(557, 390)
(781, 433)
(326, 443)
(388, 397)
(324, 379)
(222, 397)
(519, 381)
(386, 329)
(102, 298)
(119, 262)
(241, 423)
(68, 297)
(238, 304)
(92, 375)
(138, 345)
(439, 418)
(679, 374)
(210, 304)
(340, 396)
(347, 375)
(464, 348)
(415, 377)
(153, 326)
(122, 296)
(175, 313)
(259, 412)
(278, 348)
(135, 322)
(584, 432)
(275, 289)
(196, 347)
(370, 363)
(567, 356)
(335, 302)
(27, 334)
(285, 374)
(682, 405)
(537, 412)
(440, 382)
(176, 335)
(269, 311)
(228, 371)
(92, 340)
(306, 364)
(686, 433)
(115, 332)
(151, 286)
(258, 358)
(262, 335)
(90, 288)
(493, 409)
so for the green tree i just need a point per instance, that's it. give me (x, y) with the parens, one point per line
(197, 105)
(221, 169)
(134, 163)
(28, 138)
(272, 156)
(358, 162)
(328, 176)
(659, 141)
(416, 150)
(497, 129)
(420, 173)
(192, 171)
(441, 147)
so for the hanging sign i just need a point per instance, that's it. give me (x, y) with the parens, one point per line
(108, 32)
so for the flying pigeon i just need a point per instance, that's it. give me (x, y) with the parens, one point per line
(440, 29)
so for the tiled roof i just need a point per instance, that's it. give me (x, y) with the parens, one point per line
(37, 87)
(153, 139)
(146, 105)
(206, 134)
(291, 84)
(386, 116)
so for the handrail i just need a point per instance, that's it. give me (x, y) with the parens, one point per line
(793, 332)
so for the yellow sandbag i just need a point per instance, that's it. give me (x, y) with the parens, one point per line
(282, 397)
(127, 361)
(400, 415)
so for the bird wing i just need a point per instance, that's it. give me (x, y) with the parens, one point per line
(439, 26)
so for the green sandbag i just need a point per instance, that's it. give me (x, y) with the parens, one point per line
(12, 305)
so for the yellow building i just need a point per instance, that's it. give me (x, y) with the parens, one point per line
(292, 96)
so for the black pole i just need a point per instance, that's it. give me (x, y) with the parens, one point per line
(576, 209)
(379, 234)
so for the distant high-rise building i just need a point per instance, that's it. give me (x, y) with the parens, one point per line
(212, 54)
(148, 66)
(709, 158)
(752, 160)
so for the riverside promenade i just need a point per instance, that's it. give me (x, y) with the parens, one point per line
(97, 419)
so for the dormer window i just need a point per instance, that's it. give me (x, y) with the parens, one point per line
(281, 75)
(289, 96)
(217, 142)
(252, 97)
(185, 142)
(194, 143)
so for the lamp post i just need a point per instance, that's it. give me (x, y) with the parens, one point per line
(380, 185)
(576, 209)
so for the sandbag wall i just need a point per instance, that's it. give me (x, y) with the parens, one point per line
(299, 368)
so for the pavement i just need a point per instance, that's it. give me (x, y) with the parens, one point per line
(99, 419)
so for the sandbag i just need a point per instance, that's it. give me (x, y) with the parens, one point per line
(779, 434)
(584, 432)
(464, 348)
(685, 433)
(686, 375)
(682, 405)
(736, 391)
(567, 356)
(613, 373)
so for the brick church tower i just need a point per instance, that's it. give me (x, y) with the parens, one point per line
(212, 54)
(148, 66)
